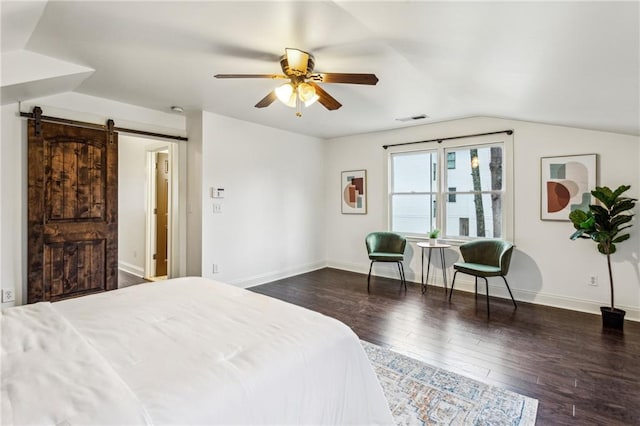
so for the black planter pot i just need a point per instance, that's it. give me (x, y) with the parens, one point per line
(612, 318)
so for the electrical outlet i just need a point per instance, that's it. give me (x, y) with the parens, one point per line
(593, 280)
(7, 295)
(215, 268)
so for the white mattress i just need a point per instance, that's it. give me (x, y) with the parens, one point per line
(195, 351)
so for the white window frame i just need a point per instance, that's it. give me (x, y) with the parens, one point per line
(507, 231)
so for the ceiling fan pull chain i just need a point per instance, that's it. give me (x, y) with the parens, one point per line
(298, 102)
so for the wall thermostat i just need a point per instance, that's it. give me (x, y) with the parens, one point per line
(217, 192)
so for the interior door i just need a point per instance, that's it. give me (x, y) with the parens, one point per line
(162, 212)
(72, 211)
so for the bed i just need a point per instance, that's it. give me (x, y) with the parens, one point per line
(183, 351)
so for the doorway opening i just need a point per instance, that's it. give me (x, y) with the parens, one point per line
(148, 210)
(159, 217)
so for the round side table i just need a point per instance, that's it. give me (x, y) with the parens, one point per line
(440, 248)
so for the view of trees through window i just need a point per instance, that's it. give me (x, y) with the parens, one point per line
(472, 191)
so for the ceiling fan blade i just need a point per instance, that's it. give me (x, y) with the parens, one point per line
(334, 77)
(272, 76)
(328, 101)
(267, 100)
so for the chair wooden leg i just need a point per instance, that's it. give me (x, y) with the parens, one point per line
(369, 277)
(452, 284)
(510, 294)
(476, 285)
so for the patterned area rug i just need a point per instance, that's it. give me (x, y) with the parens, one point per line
(420, 394)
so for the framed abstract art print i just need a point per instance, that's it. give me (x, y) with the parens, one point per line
(353, 184)
(566, 184)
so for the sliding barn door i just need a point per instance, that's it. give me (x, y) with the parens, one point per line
(72, 211)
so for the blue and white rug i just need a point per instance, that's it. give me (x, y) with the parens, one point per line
(420, 394)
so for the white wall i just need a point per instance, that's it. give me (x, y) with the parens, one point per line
(547, 267)
(13, 165)
(13, 216)
(272, 219)
(194, 194)
(132, 200)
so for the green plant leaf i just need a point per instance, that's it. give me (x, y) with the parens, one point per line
(599, 236)
(596, 209)
(621, 189)
(620, 219)
(577, 217)
(622, 207)
(625, 227)
(621, 238)
(589, 223)
(603, 194)
(602, 248)
(578, 234)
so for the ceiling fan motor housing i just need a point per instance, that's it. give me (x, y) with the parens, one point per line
(297, 63)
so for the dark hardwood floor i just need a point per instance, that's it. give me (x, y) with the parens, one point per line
(126, 279)
(580, 373)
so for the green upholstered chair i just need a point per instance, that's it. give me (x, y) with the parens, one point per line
(386, 247)
(485, 258)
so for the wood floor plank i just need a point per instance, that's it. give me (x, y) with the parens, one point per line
(580, 373)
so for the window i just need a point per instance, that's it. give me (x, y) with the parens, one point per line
(451, 160)
(478, 192)
(451, 196)
(465, 199)
(464, 226)
(414, 186)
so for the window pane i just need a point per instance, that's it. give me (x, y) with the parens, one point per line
(413, 213)
(451, 160)
(452, 196)
(464, 227)
(414, 172)
(477, 169)
(483, 216)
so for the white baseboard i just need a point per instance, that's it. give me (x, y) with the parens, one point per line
(497, 289)
(132, 269)
(278, 275)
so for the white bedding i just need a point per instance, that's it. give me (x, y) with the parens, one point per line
(195, 351)
(61, 380)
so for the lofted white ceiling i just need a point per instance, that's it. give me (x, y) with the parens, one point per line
(568, 63)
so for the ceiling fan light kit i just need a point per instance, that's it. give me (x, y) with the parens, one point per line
(292, 95)
(297, 66)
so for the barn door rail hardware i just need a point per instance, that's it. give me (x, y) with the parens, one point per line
(37, 116)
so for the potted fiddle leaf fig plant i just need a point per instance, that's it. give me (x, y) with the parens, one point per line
(606, 224)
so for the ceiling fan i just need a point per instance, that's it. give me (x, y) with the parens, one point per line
(302, 88)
